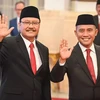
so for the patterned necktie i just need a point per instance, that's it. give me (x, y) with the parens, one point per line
(32, 58)
(90, 65)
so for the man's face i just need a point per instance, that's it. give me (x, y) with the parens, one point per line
(98, 9)
(19, 8)
(29, 27)
(86, 34)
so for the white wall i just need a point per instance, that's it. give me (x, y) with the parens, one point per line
(56, 4)
(80, 6)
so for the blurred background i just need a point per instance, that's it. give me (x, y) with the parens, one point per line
(58, 19)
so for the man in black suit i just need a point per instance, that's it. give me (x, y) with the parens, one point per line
(19, 82)
(84, 82)
(97, 22)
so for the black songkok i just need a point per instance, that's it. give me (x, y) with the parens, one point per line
(98, 2)
(30, 11)
(85, 19)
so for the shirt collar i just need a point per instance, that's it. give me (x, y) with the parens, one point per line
(84, 48)
(27, 42)
(18, 19)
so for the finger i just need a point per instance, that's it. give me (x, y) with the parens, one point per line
(65, 44)
(9, 31)
(6, 20)
(3, 19)
(0, 19)
(70, 49)
(61, 42)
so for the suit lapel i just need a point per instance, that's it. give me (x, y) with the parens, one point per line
(41, 52)
(98, 61)
(81, 60)
(24, 52)
(26, 55)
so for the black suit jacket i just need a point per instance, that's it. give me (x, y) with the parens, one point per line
(97, 38)
(18, 80)
(81, 85)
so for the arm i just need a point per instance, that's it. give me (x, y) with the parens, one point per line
(4, 31)
(59, 70)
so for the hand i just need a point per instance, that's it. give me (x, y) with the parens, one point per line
(4, 31)
(65, 52)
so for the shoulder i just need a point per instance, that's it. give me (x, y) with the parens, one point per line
(41, 45)
(95, 16)
(8, 42)
(97, 46)
(13, 19)
(9, 39)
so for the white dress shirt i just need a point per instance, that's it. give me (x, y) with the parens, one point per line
(18, 24)
(36, 52)
(99, 19)
(92, 54)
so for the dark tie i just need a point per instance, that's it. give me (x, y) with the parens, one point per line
(32, 58)
(90, 65)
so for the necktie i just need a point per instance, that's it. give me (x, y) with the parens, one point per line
(90, 65)
(32, 58)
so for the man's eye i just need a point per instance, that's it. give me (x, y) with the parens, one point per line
(81, 30)
(35, 23)
(89, 29)
(27, 22)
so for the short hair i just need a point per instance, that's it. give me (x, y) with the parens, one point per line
(19, 2)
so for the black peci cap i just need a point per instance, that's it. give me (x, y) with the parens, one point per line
(30, 11)
(98, 2)
(85, 19)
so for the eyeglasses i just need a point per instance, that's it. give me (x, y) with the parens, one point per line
(18, 9)
(29, 23)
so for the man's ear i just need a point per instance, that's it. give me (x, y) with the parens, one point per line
(75, 32)
(96, 32)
